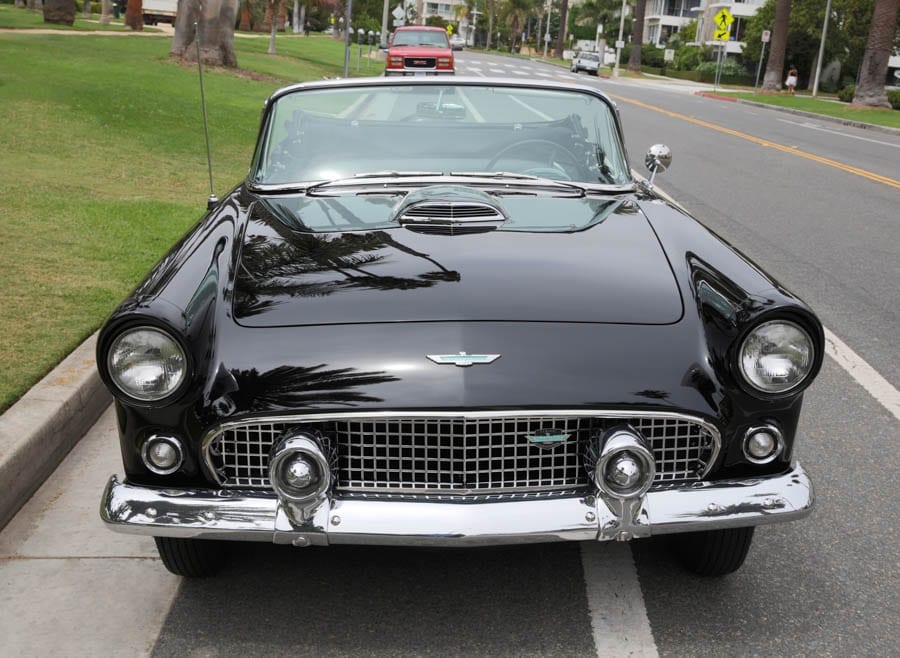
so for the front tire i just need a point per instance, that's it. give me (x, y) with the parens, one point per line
(713, 553)
(191, 558)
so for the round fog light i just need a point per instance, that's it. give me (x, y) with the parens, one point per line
(624, 471)
(762, 444)
(162, 454)
(300, 474)
(624, 466)
(298, 469)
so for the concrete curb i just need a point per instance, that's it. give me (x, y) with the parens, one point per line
(39, 430)
(802, 113)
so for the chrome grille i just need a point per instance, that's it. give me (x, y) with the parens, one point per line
(459, 454)
(451, 211)
(419, 62)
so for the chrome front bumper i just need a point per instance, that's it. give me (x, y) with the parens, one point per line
(217, 514)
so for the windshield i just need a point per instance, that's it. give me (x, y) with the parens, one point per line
(321, 134)
(420, 38)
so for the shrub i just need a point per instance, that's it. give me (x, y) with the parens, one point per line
(894, 98)
(846, 94)
(730, 68)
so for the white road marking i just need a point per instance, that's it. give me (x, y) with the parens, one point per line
(493, 70)
(811, 126)
(517, 72)
(543, 74)
(545, 117)
(465, 99)
(864, 374)
(618, 617)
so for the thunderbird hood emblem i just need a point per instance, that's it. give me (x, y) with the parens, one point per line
(548, 438)
(462, 359)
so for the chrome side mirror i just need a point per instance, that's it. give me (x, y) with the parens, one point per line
(658, 158)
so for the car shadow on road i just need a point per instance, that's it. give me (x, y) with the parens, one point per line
(275, 600)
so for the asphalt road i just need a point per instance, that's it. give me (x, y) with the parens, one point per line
(827, 585)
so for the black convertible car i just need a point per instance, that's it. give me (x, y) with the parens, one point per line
(446, 314)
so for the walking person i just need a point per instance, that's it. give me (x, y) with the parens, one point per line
(791, 80)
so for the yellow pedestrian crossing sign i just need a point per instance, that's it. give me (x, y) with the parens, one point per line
(723, 19)
(449, 29)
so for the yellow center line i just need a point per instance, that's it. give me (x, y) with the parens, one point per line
(765, 142)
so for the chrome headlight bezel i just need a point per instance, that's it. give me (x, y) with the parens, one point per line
(811, 363)
(176, 349)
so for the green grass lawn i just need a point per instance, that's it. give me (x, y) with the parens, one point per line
(878, 116)
(104, 167)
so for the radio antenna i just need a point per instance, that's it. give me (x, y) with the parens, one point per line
(213, 200)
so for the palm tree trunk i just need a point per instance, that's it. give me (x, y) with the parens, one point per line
(105, 11)
(563, 25)
(216, 29)
(61, 12)
(134, 15)
(775, 65)
(637, 36)
(870, 90)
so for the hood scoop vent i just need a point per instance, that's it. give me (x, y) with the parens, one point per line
(443, 210)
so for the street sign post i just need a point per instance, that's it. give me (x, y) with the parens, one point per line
(722, 33)
(766, 35)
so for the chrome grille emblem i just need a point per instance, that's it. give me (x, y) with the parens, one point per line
(548, 438)
(462, 359)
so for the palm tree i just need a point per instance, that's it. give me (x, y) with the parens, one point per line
(637, 36)
(870, 90)
(516, 13)
(775, 64)
(215, 27)
(491, 8)
(563, 28)
(61, 12)
(134, 15)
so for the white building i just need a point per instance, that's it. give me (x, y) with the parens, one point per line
(663, 18)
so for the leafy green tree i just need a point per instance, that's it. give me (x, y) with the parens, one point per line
(848, 27)
(515, 15)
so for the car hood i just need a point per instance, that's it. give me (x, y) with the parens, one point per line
(420, 51)
(614, 271)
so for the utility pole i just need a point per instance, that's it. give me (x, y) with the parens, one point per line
(821, 49)
(620, 43)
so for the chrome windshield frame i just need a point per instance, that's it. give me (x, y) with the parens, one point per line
(457, 81)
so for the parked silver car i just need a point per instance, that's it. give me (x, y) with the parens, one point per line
(589, 62)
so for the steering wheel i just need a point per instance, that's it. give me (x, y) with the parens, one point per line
(549, 157)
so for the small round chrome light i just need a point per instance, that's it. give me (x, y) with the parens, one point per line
(776, 357)
(162, 455)
(623, 470)
(624, 466)
(146, 363)
(763, 444)
(298, 469)
(298, 473)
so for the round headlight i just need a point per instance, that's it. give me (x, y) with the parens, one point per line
(776, 356)
(146, 364)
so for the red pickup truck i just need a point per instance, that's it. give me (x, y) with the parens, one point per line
(416, 50)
